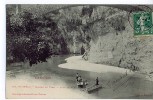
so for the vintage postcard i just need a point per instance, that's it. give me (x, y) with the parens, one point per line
(79, 51)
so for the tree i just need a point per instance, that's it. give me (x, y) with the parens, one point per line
(33, 38)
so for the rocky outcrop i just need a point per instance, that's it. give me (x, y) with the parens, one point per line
(123, 49)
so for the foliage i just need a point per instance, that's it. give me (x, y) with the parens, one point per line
(33, 38)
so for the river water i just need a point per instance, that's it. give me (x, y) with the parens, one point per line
(49, 74)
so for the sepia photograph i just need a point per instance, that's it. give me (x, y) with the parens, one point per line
(72, 51)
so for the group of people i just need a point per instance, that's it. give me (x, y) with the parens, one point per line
(80, 80)
(85, 83)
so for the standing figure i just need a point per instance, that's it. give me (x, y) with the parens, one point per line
(82, 50)
(97, 81)
(77, 76)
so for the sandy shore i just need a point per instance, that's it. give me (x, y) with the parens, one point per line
(77, 63)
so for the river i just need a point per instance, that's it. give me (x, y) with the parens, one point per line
(49, 74)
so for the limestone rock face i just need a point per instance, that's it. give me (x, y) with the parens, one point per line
(123, 49)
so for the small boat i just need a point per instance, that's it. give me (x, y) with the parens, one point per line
(93, 88)
(83, 84)
(90, 88)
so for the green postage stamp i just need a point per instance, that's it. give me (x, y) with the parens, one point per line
(143, 23)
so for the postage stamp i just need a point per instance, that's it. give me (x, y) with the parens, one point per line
(143, 23)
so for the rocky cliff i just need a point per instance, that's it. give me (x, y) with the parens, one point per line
(123, 49)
